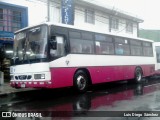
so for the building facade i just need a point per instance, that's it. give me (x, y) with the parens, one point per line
(12, 17)
(89, 14)
(86, 14)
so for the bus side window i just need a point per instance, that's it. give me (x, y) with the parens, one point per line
(60, 51)
(119, 49)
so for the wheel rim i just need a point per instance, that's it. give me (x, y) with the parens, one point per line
(138, 75)
(81, 82)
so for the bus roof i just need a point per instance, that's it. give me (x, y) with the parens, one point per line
(85, 29)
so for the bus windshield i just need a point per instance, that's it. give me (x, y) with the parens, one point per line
(30, 45)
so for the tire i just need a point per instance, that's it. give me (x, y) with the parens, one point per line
(138, 75)
(81, 81)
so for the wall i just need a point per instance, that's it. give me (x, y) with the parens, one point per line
(122, 28)
(101, 20)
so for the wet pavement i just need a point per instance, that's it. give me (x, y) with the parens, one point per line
(111, 101)
(6, 89)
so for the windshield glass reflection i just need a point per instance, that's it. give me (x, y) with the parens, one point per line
(31, 44)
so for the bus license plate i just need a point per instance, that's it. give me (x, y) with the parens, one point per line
(23, 85)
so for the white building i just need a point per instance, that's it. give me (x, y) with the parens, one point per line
(93, 15)
(87, 14)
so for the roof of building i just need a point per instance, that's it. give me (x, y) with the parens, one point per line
(110, 10)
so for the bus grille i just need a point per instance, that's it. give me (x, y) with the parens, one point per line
(23, 77)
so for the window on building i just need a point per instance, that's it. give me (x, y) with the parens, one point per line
(16, 20)
(129, 27)
(115, 23)
(16, 16)
(1, 13)
(89, 16)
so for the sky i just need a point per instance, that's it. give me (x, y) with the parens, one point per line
(148, 10)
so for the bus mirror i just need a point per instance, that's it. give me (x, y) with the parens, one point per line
(53, 44)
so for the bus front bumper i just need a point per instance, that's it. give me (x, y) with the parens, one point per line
(31, 84)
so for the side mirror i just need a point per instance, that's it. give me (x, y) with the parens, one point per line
(53, 44)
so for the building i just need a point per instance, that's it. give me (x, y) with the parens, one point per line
(93, 15)
(12, 18)
(81, 13)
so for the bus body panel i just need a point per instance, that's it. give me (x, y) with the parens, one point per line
(101, 70)
(30, 75)
(30, 68)
(83, 60)
(98, 74)
(60, 72)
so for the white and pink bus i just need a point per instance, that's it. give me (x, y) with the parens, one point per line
(156, 46)
(54, 56)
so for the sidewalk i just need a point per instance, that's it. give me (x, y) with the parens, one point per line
(6, 89)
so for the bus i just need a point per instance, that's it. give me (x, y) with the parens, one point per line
(156, 46)
(56, 55)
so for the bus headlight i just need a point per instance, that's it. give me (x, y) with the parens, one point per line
(39, 76)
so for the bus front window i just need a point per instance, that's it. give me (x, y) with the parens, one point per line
(31, 44)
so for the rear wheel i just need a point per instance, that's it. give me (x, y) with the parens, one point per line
(81, 81)
(138, 75)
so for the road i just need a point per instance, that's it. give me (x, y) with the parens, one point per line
(111, 101)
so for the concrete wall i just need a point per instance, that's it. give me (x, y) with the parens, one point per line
(101, 20)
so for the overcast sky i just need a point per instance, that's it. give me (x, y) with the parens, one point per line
(148, 10)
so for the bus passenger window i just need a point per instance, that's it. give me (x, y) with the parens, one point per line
(119, 49)
(86, 49)
(74, 49)
(60, 51)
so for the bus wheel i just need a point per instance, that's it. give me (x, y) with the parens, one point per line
(81, 81)
(138, 75)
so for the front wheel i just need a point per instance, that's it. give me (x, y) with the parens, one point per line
(138, 75)
(81, 81)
